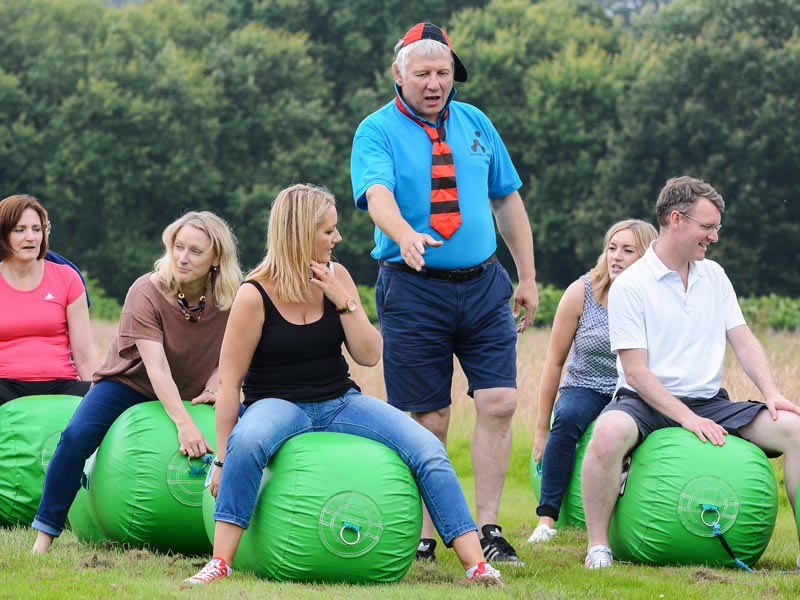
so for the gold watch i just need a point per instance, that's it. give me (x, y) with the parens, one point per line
(349, 307)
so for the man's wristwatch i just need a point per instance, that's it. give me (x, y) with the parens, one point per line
(349, 307)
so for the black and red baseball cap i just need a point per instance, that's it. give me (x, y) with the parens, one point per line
(429, 31)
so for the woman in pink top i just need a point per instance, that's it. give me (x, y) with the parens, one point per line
(45, 340)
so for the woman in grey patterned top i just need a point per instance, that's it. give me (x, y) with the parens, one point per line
(580, 324)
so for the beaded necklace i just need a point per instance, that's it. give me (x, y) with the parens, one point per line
(189, 310)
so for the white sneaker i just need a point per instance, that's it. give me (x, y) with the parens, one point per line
(542, 533)
(598, 557)
(798, 561)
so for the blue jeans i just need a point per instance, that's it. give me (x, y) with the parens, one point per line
(575, 410)
(103, 403)
(268, 423)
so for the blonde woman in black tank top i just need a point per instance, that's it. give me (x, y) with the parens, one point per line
(283, 347)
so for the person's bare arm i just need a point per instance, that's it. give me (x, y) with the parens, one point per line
(386, 215)
(750, 354)
(652, 391)
(515, 229)
(565, 324)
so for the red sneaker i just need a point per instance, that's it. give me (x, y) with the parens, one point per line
(215, 569)
(485, 574)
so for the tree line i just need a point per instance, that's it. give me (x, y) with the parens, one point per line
(120, 119)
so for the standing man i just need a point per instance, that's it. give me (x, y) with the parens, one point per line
(670, 315)
(432, 172)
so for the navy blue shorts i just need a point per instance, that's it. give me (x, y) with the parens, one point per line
(425, 322)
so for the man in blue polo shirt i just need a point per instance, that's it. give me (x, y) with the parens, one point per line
(435, 176)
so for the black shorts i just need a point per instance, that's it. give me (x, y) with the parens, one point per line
(720, 409)
(11, 388)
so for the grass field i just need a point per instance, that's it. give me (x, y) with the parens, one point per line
(552, 570)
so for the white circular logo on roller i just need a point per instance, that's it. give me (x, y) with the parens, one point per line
(185, 479)
(350, 524)
(706, 501)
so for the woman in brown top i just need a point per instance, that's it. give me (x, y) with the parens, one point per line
(167, 347)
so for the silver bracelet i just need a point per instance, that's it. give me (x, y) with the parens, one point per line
(208, 391)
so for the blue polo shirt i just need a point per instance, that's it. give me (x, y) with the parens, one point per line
(392, 150)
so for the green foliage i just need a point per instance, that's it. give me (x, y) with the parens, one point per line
(763, 312)
(546, 74)
(774, 312)
(628, 10)
(714, 94)
(367, 296)
(104, 308)
(549, 297)
(121, 119)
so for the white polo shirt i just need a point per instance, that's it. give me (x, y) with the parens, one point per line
(683, 331)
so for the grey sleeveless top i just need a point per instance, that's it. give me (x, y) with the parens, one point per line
(591, 364)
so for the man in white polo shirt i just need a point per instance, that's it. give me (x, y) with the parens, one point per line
(670, 315)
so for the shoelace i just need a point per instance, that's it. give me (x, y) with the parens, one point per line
(210, 572)
(502, 545)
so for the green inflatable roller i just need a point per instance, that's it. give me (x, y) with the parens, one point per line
(81, 519)
(141, 491)
(797, 512)
(335, 508)
(681, 492)
(30, 428)
(571, 512)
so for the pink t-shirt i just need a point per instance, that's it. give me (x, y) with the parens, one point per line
(34, 341)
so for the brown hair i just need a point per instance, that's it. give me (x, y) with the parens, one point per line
(11, 210)
(681, 194)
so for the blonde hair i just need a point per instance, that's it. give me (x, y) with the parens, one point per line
(228, 276)
(643, 232)
(293, 219)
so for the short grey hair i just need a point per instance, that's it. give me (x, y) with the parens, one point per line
(424, 48)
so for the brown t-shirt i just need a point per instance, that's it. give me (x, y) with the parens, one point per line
(192, 349)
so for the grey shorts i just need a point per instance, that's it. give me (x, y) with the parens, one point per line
(720, 409)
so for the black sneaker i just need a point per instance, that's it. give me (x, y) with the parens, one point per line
(425, 550)
(496, 548)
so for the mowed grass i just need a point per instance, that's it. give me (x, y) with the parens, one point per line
(554, 570)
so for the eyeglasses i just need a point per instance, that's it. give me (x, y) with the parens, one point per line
(706, 226)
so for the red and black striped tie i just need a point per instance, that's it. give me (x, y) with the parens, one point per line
(445, 214)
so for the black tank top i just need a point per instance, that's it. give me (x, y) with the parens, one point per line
(298, 363)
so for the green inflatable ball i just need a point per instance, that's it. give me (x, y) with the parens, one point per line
(30, 428)
(680, 490)
(81, 519)
(333, 508)
(141, 490)
(797, 511)
(571, 512)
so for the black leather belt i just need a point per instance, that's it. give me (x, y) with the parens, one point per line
(455, 275)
